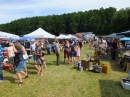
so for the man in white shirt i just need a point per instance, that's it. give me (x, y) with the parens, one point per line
(57, 51)
(33, 46)
(104, 42)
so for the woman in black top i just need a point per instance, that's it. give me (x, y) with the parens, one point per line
(72, 53)
(20, 60)
(66, 48)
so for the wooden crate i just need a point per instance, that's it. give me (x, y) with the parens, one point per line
(85, 64)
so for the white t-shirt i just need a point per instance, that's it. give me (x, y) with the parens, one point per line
(104, 42)
(57, 45)
(10, 52)
(33, 47)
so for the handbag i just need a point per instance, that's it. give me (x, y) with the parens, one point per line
(25, 56)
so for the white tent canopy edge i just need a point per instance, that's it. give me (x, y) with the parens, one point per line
(40, 33)
(8, 35)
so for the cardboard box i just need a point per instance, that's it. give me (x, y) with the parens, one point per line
(125, 83)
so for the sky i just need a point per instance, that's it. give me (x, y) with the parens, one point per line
(11, 10)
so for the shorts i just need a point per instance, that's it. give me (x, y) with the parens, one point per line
(20, 66)
(24, 66)
(38, 62)
(73, 54)
(66, 54)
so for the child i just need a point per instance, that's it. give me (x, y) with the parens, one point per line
(38, 61)
(78, 51)
(43, 58)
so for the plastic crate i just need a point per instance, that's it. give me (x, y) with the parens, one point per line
(125, 83)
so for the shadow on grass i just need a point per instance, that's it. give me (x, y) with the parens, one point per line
(77, 70)
(30, 67)
(30, 63)
(54, 63)
(74, 67)
(111, 88)
(11, 79)
(32, 72)
(10, 71)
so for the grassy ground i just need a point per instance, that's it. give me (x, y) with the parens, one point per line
(65, 81)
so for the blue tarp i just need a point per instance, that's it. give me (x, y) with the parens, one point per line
(125, 39)
(25, 38)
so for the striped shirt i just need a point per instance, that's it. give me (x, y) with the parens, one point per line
(1, 51)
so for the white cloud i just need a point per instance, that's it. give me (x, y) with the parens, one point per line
(29, 8)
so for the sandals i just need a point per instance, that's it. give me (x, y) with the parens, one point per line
(20, 83)
(26, 76)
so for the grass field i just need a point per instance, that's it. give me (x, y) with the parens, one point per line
(65, 81)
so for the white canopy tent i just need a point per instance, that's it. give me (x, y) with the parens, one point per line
(8, 35)
(72, 37)
(40, 33)
(62, 37)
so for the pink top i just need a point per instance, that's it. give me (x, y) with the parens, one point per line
(78, 51)
(10, 52)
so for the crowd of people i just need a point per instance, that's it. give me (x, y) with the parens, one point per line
(112, 45)
(71, 50)
(18, 55)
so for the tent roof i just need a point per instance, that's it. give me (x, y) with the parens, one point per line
(40, 33)
(8, 35)
(62, 37)
(72, 37)
(124, 33)
(114, 35)
(125, 39)
(26, 38)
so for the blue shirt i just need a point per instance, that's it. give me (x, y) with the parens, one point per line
(1, 51)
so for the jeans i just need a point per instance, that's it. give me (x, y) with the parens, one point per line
(20, 66)
(113, 54)
(57, 58)
(1, 74)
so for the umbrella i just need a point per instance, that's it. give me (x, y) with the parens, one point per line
(125, 39)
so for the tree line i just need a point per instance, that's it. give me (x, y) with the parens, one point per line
(99, 21)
